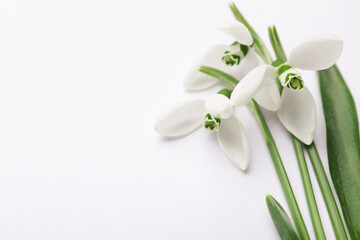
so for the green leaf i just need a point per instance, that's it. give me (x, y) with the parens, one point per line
(343, 145)
(281, 220)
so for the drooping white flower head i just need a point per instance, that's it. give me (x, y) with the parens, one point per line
(296, 107)
(223, 57)
(214, 114)
(261, 86)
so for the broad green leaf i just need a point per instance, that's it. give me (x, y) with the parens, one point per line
(343, 145)
(281, 220)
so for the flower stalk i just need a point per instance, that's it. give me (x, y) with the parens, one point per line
(261, 49)
(281, 172)
(324, 184)
(309, 193)
(328, 196)
(279, 166)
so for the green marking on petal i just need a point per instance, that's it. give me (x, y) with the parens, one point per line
(289, 76)
(296, 83)
(237, 58)
(229, 60)
(235, 53)
(244, 49)
(211, 123)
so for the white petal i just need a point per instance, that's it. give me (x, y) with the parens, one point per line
(219, 105)
(298, 114)
(251, 61)
(317, 53)
(268, 95)
(250, 84)
(237, 30)
(232, 139)
(195, 80)
(181, 118)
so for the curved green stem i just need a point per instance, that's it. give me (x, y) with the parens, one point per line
(326, 191)
(309, 193)
(280, 170)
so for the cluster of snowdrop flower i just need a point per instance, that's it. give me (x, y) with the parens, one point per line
(295, 106)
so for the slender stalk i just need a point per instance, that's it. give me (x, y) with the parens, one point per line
(280, 170)
(226, 79)
(261, 49)
(276, 44)
(329, 198)
(309, 192)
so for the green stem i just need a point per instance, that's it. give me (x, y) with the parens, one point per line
(310, 197)
(326, 191)
(225, 78)
(309, 192)
(276, 44)
(280, 170)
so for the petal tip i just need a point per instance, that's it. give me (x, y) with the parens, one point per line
(298, 114)
(243, 167)
(317, 53)
(187, 84)
(309, 139)
(236, 30)
(180, 119)
(198, 82)
(233, 141)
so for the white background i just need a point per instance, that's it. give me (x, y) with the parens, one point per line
(82, 82)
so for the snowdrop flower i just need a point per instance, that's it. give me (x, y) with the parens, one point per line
(214, 114)
(223, 57)
(296, 108)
